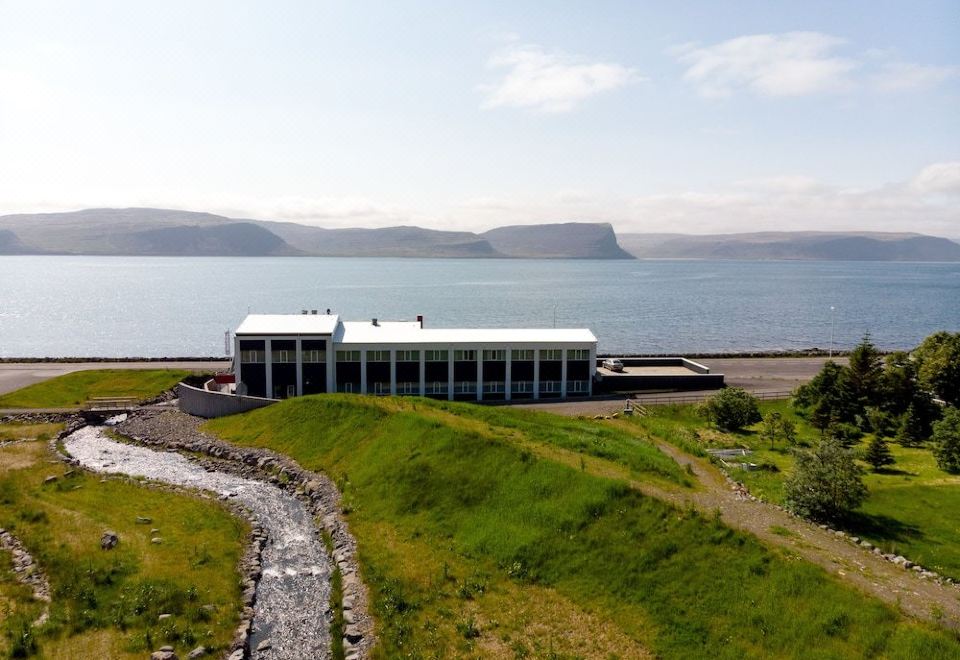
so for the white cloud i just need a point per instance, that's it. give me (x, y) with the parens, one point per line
(798, 64)
(550, 82)
(942, 178)
(903, 76)
(789, 64)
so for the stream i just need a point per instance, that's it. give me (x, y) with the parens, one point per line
(290, 611)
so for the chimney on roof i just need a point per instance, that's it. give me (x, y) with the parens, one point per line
(303, 311)
(374, 321)
(420, 320)
(313, 311)
(328, 311)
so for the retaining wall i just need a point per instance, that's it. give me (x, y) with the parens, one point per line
(204, 403)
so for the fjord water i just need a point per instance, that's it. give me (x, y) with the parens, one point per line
(181, 306)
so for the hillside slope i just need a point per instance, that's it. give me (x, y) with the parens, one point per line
(571, 240)
(498, 533)
(825, 246)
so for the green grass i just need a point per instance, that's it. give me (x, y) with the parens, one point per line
(107, 603)
(476, 542)
(913, 508)
(77, 388)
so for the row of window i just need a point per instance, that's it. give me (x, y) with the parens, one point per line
(470, 387)
(488, 355)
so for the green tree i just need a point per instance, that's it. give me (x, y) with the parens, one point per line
(865, 373)
(938, 360)
(878, 454)
(912, 429)
(828, 398)
(731, 409)
(946, 438)
(900, 386)
(775, 427)
(826, 484)
(846, 434)
(881, 422)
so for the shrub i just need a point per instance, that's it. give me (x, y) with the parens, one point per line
(946, 438)
(731, 409)
(878, 454)
(826, 483)
(846, 434)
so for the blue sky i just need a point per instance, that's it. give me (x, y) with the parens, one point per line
(686, 116)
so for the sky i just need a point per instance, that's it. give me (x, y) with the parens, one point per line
(694, 117)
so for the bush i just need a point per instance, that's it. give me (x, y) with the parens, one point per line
(846, 434)
(731, 409)
(826, 483)
(946, 438)
(878, 454)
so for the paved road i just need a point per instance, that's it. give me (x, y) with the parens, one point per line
(14, 375)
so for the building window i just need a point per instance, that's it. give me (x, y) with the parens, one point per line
(345, 387)
(381, 388)
(521, 387)
(437, 356)
(550, 354)
(522, 355)
(408, 356)
(493, 386)
(437, 387)
(465, 387)
(465, 356)
(252, 357)
(578, 354)
(283, 355)
(550, 386)
(494, 355)
(408, 388)
(578, 386)
(314, 355)
(378, 356)
(348, 356)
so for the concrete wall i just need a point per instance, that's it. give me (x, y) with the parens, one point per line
(204, 403)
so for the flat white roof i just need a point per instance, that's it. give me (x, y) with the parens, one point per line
(289, 324)
(410, 332)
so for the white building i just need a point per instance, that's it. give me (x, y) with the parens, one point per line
(285, 355)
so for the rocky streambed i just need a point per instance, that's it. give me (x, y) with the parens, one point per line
(291, 614)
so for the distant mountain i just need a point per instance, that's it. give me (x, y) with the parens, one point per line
(824, 246)
(571, 240)
(181, 233)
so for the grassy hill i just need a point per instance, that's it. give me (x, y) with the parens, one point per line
(491, 532)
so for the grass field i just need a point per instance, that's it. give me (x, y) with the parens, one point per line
(913, 508)
(106, 604)
(77, 388)
(486, 532)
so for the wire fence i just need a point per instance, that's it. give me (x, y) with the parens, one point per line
(666, 399)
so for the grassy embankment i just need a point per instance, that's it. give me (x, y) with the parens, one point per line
(913, 508)
(106, 604)
(75, 389)
(493, 532)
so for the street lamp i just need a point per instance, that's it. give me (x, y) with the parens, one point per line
(832, 309)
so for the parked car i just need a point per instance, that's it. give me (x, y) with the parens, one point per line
(612, 364)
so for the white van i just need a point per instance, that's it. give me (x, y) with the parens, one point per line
(612, 364)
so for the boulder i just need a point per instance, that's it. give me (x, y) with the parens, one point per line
(144, 520)
(156, 540)
(49, 480)
(198, 652)
(109, 540)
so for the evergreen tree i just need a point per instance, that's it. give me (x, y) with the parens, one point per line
(946, 438)
(938, 360)
(826, 483)
(865, 373)
(878, 454)
(912, 430)
(900, 387)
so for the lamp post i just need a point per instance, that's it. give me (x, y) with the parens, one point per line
(832, 315)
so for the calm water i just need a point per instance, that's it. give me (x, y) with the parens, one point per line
(129, 306)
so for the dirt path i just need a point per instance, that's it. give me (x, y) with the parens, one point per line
(903, 589)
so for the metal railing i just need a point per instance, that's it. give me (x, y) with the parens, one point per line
(666, 399)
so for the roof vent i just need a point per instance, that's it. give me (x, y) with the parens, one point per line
(313, 311)
(328, 311)
(303, 311)
(374, 321)
(420, 319)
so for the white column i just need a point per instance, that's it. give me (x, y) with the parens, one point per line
(508, 378)
(450, 375)
(479, 374)
(393, 372)
(331, 367)
(536, 373)
(299, 367)
(423, 372)
(268, 367)
(363, 371)
(563, 374)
